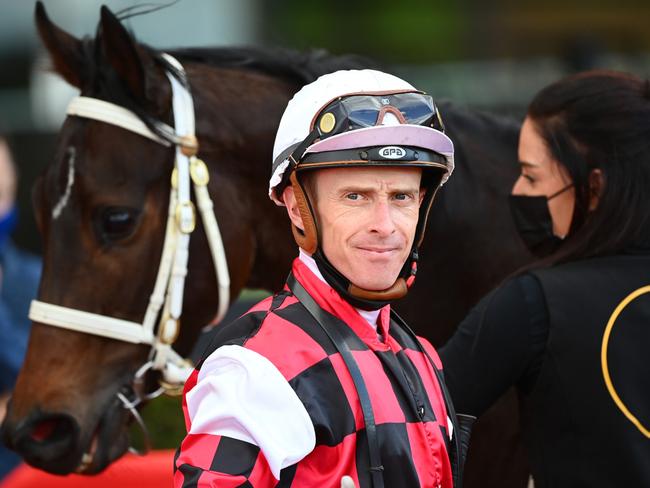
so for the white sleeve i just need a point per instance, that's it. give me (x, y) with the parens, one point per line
(242, 395)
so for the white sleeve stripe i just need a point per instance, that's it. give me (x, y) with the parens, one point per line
(241, 394)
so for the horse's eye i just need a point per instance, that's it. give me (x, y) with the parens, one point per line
(114, 223)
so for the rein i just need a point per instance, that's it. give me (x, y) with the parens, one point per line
(166, 301)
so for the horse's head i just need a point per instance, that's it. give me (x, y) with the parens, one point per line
(102, 209)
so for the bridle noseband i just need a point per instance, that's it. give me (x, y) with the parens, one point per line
(166, 301)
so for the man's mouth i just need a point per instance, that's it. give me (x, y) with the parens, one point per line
(378, 250)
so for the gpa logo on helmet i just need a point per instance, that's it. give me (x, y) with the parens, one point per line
(392, 152)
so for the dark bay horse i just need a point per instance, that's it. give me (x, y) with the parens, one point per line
(102, 251)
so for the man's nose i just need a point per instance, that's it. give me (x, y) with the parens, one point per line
(381, 220)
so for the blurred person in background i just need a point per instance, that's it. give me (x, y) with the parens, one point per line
(571, 331)
(19, 277)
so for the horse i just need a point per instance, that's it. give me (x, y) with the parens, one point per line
(103, 231)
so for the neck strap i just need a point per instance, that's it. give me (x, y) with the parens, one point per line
(331, 330)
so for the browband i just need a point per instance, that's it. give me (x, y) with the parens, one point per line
(93, 108)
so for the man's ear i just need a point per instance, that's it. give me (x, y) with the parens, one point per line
(289, 199)
(423, 192)
(596, 187)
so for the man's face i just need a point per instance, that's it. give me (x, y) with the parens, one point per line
(367, 219)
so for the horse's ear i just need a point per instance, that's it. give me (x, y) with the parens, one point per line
(134, 65)
(66, 51)
(119, 48)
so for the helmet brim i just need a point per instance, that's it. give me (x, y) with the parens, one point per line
(387, 135)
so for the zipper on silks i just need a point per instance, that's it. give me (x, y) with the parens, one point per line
(421, 411)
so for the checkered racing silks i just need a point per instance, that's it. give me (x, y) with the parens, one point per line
(406, 398)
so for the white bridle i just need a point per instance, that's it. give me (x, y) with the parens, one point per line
(170, 282)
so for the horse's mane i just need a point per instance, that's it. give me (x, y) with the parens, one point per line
(294, 66)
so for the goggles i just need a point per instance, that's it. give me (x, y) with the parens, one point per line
(361, 111)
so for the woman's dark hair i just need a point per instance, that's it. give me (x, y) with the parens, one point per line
(600, 120)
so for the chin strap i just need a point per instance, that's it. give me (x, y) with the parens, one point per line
(161, 324)
(362, 298)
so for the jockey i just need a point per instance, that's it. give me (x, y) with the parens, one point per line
(322, 384)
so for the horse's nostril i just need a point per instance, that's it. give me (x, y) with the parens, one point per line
(53, 429)
(43, 430)
(48, 439)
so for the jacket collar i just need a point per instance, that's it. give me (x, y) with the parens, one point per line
(329, 300)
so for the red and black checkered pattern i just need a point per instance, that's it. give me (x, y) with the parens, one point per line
(406, 399)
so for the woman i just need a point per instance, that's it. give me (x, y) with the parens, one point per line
(571, 332)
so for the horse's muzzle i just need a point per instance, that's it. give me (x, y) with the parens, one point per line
(55, 442)
(46, 441)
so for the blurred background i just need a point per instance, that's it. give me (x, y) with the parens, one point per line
(487, 55)
(491, 56)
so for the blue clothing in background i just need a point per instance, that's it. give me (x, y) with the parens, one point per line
(21, 273)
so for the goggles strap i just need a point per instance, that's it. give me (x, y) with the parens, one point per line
(297, 153)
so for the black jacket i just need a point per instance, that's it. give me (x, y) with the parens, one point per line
(543, 332)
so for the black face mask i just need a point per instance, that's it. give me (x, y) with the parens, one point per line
(534, 223)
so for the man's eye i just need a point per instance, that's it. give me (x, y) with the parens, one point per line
(528, 177)
(353, 196)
